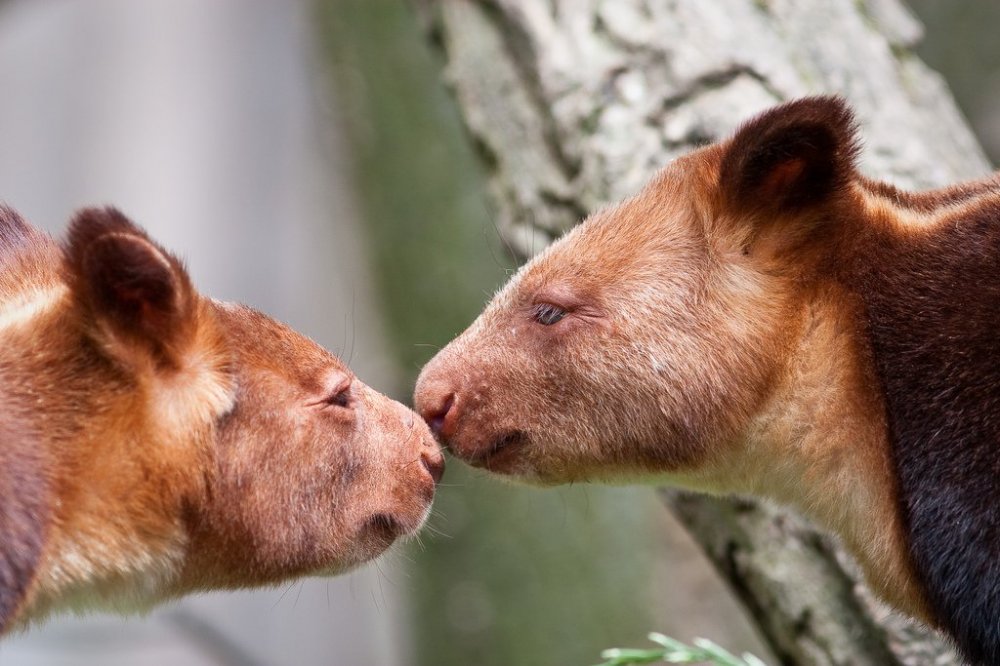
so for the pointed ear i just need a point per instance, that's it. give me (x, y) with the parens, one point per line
(790, 158)
(137, 294)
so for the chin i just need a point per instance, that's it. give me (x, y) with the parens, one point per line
(361, 556)
(509, 456)
(524, 470)
(334, 570)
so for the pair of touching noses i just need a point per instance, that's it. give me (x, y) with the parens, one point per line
(759, 319)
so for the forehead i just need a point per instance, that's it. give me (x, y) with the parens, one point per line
(632, 240)
(266, 344)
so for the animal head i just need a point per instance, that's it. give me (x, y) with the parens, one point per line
(645, 340)
(156, 442)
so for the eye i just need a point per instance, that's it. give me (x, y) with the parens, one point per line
(547, 314)
(341, 396)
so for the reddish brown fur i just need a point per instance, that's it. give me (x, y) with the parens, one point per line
(155, 442)
(723, 331)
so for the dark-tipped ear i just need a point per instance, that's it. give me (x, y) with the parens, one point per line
(132, 289)
(790, 158)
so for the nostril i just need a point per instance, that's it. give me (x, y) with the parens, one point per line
(434, 464)
(436, 416)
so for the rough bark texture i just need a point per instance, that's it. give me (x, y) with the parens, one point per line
(575, 103)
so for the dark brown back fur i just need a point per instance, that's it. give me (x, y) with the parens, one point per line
(23, 510)
(933, 309)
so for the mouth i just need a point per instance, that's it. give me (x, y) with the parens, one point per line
(382, 530)
(375, 536)
(502, 453)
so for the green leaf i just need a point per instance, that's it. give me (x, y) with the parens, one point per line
(672, 651)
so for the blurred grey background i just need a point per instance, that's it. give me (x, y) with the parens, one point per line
(304, 158)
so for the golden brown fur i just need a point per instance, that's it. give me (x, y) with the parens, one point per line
(166, 443)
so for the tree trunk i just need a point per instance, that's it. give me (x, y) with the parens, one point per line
(573, 104)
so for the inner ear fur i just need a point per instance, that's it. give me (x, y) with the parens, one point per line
(791, 158)
(132, 290)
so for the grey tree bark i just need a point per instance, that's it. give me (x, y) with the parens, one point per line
(575, 103)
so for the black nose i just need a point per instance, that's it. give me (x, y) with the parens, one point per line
(434, 463)
(436, 415)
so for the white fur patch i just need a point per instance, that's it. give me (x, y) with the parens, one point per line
(198, 393)
(25, 307)
(85, 576)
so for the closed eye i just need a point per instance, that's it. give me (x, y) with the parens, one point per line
(341, 397)
(339, 394)
(547, 314)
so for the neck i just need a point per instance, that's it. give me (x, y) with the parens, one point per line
(820, 445)
(105, 540)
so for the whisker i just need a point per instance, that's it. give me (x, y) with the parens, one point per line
(354, 324)
(512, 255)
(405, 465)
(282, 595)
(437, 532)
